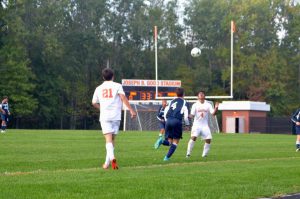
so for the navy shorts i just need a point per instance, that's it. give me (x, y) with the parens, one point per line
(174, 128)
(161, 125)
(4, 117)
(297, 129)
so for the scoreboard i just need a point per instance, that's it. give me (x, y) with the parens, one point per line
(138, 89)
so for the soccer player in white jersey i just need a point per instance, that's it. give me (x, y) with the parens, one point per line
(199, 112)
(108, 98)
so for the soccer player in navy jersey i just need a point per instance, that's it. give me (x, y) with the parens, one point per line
(162, 123)
(4, 113)
(174, 113)
(296, 120)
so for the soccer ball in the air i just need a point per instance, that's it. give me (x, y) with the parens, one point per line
(195, 52)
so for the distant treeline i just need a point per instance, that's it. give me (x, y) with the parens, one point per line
(52, 52)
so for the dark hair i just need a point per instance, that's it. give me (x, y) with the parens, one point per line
(107, 74)
(5, 97)
(179, 92)
(201, 91)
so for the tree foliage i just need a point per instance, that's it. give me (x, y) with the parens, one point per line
(52, 52)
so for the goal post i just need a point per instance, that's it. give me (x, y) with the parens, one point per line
(230, 96)
(146, 119)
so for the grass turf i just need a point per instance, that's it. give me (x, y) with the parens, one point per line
(67, 164)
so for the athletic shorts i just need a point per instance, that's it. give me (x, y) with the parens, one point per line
(174, 128)
(4, 117)
(202, 131)
(161, 125)
(297, 129)
(110, 126)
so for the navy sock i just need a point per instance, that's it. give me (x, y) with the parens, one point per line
(171, 150)
(166, 143)
(3, 127)
(297, 146)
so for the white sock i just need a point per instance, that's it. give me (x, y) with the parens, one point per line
(110, 151)
(190, 147)
(107, 161)
(160, 135)
(206, 148)
(297, 142)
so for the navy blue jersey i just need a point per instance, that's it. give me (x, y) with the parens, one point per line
(178, 109)
(160, 113)
(296, 116)
(5, 107)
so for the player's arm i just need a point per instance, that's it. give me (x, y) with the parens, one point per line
(215, 110)
(193, 111)
(186, 116)
(294, 116)
(8, 112)
(95, 101)
(126, 102)
(96, 105)
(166, 112)
(159, 116)
(2, 111)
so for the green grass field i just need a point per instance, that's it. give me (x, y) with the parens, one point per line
(67, 164)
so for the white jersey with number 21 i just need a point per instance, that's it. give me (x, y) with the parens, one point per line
(107, 95)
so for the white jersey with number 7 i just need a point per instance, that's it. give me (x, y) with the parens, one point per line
(107, 95)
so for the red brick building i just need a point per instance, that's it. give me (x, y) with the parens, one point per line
(236, 115)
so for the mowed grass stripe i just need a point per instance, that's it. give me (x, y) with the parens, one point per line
(167, 164)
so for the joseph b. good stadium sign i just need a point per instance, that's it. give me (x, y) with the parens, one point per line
(141, 89)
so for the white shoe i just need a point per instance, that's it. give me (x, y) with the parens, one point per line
(298, 149)
(188, 156)
(2, 131)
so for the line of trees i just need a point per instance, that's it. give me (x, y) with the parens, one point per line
(52, 52)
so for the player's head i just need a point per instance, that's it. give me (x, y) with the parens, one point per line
(179, 92)
(5, 99)
(107, 74)
(201, 95)
(164, 103)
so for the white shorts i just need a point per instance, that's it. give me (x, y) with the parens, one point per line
(110, 126)
(203, 131)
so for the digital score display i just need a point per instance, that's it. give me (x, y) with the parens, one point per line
(136, 89)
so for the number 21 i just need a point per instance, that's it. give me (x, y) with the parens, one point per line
(107, 93)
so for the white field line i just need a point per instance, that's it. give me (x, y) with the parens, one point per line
(168, 164)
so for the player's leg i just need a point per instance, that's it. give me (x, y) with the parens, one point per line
(110, 130)
(159, 141)
(109, 149)
(116, 126)
(207, 137)
(172, 149)
(176, 135)
(3, 126)
(194, 134)
(165, 140)
(298, 138)
(3, 123)
(162, 129)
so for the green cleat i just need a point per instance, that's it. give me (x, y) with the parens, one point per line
(166, 158)
(158, 143)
